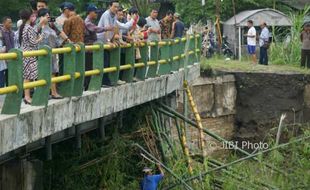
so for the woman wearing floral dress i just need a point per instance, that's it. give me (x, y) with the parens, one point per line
(29, 40)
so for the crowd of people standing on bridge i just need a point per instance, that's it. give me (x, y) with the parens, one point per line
(116, 26)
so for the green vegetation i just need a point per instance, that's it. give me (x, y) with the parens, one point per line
(220, 64)
(294, 159)
(116, 164)
(288, 52)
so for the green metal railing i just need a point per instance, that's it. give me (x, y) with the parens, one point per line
(165, 57)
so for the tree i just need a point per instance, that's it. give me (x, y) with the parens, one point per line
(192, 11)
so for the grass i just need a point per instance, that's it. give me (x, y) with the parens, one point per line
(245, 66)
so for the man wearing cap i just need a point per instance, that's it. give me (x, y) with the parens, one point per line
(64, 14)
(150, 181)
(74, 27)
(91, 28)
(177, 27)
(90, 36)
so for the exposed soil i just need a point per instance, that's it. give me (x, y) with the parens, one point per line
(263, 97)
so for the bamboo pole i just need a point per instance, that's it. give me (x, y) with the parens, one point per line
(215, 136)
(185, 148)
(244, 158)
(155, 125)
(213, 163)
(199, 123)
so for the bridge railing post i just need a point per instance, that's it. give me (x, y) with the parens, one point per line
(41, 95)
(165, 61)
(69, 64)
(95, 82)
(175, 53)
(140, 71)
(12, 102)
(154, 56)
(198, 47)
(127, 75)
(115, 59)
(182, 51)
(80, 71)
(192, 56)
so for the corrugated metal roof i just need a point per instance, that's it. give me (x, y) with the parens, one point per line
(270, 16)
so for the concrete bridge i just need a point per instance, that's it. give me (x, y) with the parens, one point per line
(24, 128)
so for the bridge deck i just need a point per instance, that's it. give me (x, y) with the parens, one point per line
(35, 123)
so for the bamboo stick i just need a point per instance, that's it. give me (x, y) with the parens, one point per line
(244, 159)
(199, 123)
(215, 136)
(185, 148)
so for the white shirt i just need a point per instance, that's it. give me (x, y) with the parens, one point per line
(154, 24)
(251, 40)
(264, 36)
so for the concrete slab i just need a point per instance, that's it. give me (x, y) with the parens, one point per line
(35, 123)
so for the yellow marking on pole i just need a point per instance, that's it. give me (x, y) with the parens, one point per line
(77, 48)
(138, 65)
(149, 63)
(8, 89)
(186, 150)
(108, 47)
(92, 72)
(125, 67)
(127, 45)
(109, 70)
(198, 120)
(161, 43)
(140, 44)
(151, 44)
(162, 61)
(34, 53)
(77, 75)
(34, 84)
(61, 78)
(8, 56)
(92, 48)
(61, 50)
(176, 41)
(175, 58)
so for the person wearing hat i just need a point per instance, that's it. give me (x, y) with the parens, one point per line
(91, 28)
(305, 49)
(64, 13)
(90, 36)
(74, 26)
(177, 27)
(150, 181)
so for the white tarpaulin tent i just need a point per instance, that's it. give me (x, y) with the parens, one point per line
(235, 26)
